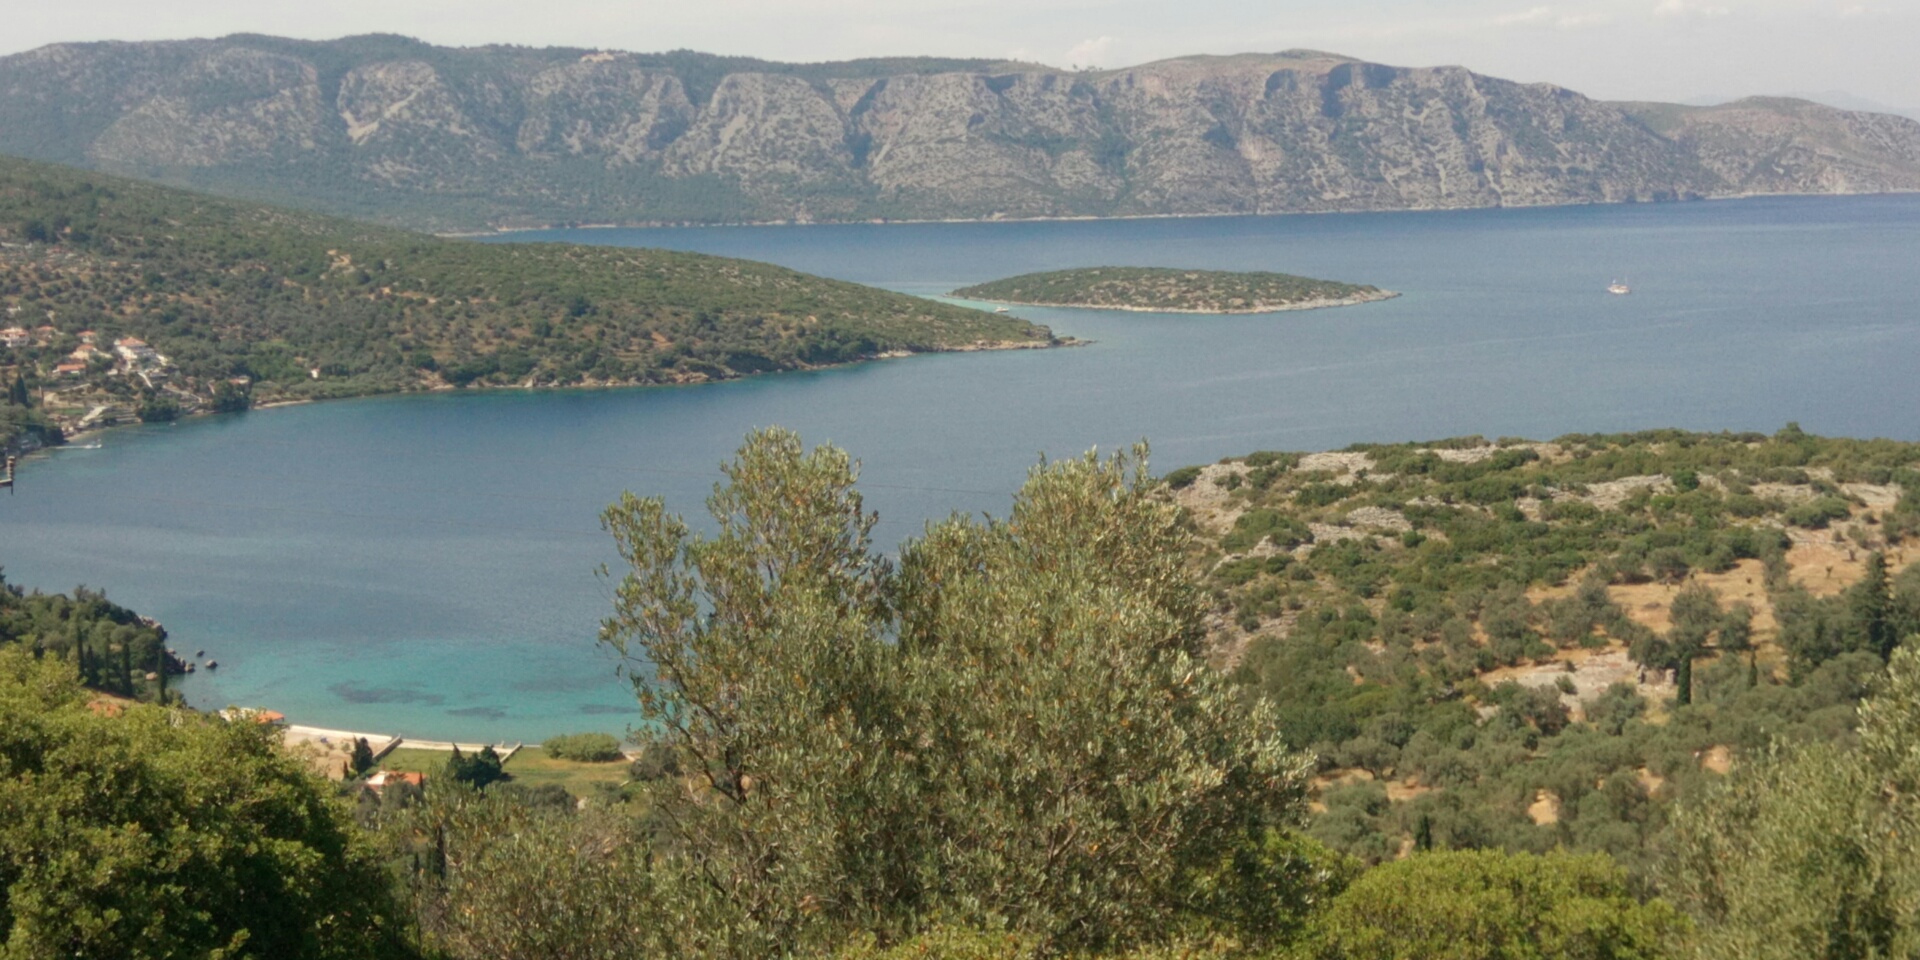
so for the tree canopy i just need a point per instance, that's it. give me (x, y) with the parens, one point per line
(1012, 725)
(1812, 852)
(133, 831)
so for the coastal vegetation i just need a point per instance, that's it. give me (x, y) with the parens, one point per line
(135, 300)
(143, 831)
(585, 747)
(1089, 730)
(1535, 646)
(1167, 290)
(111, 649)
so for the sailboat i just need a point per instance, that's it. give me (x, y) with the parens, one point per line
(1619, 288)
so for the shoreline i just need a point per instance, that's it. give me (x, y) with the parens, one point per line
(978, 346)
(1069, 218)
(1317, 304)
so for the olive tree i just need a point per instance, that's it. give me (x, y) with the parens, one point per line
(1013, 725)
(1812, 852)
(492, 877)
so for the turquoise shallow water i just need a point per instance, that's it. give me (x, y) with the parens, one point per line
(425, 564)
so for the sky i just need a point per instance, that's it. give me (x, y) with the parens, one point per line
(1685, 50)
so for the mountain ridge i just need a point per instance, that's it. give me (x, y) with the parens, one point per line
(393, 129)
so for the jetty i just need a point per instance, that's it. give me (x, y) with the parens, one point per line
(8, 480)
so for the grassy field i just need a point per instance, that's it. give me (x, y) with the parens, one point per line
(531, 767)
(415, 761)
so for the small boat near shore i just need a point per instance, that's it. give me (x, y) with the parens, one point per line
(1619, 289)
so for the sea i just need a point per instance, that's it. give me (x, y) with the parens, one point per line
(432, 565)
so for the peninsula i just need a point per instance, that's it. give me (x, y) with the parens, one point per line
(121, 300)
(1169, 290)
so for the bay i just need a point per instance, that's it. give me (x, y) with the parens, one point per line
(426, 564)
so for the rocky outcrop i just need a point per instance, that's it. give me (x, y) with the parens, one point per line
(445, 138)
(602, 108)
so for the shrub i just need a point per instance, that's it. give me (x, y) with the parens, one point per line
(479, 770)
(1815, 514)
(585, 747)
(1283, 531)
(1183, 478)
(1271, 458)
(1487, 905)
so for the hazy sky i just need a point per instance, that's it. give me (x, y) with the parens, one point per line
(1617, 49)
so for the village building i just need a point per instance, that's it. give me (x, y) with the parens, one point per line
(135, 351)
(385, 778)
(71, 368)
(15, 337)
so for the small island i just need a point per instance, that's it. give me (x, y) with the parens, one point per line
(1169, 290)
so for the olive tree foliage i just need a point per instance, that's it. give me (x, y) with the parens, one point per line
(1812, 852)
(153, 832)
(1491, 905)
(493, 877)
(1011, 727)
(758, 658)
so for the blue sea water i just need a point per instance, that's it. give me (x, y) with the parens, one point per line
(425, 564)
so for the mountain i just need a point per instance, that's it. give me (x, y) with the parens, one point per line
(1783, 145)
(393, 129)
(1840, 99)
(117, 294)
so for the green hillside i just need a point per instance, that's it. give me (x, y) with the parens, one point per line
(1540, 645)
(292, 305)
(1000, 742)
(1168, 290)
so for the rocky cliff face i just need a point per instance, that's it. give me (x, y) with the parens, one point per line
(445, 138)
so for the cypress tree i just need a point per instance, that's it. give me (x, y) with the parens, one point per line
(1871, 606)
(362, 756)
